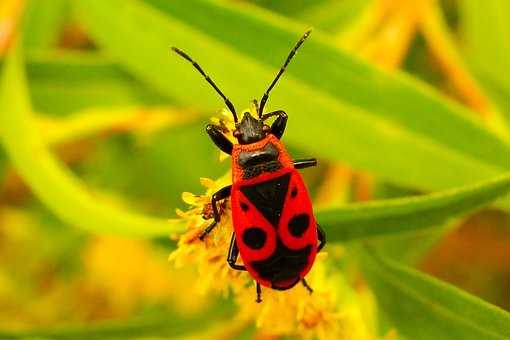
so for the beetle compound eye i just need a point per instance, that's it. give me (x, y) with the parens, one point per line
(254, 237)
(299, 224)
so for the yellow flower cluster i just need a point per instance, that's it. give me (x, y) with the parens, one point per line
(208, 256)
(321, 315)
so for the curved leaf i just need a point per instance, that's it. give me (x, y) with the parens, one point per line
(394, 97)
(42, 22)
(481, 19)
(55, 185)
(408, 214)
(422, 307)
(389, 124)
(489, 57)
(61, 82)
(168, 324)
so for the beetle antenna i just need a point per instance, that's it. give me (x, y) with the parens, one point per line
(209, 80)
(282, 69)
(256, 105)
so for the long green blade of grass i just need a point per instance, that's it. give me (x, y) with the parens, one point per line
(63, 82)
(358, 221)
(422, 307)
(485, 27)
(42, 22)
(157, 324)
(55, 185)
(389, 124)
(395, 97)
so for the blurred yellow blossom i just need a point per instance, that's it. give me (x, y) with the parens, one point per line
(10, 13)
(132, 271)
(208, 256)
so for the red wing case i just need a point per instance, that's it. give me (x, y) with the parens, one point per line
(275, 228)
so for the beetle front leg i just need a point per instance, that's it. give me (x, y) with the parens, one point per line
(218, 196)
(278, 126)
(304, 163)
(233, 252)
(219, 138)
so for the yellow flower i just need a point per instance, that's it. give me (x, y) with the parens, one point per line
(208, 256)
(325, 314)
(129, 272)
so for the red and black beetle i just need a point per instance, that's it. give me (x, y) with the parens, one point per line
(274, 227)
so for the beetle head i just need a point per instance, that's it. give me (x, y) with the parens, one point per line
(250, 129)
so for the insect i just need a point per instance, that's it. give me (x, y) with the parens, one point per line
(275, 231)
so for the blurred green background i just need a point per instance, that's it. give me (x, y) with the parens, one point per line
(406, 105)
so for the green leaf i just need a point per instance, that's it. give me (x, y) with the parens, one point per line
(392, 216)
(50, 181)
(330, 15)
(164, 324)
(181, 172)
(485, 28)
(288, 7)
(422, 307)
(391, 125)
(64, 82)
(334, 16)
(42, 23)
(395, 97)
(157, 170)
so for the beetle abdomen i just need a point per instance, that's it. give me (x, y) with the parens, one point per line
(275, 227)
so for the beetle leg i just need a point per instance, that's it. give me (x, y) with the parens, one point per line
(304, 163)
(308, 288)
(259, 293)
(219, 138)
(322, 238)
(233, 252)
(278, 126)
(218, 196)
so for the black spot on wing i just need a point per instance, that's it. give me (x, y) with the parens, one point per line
(299, 224)
(293, 193)
(244, 206)
(254, 237)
